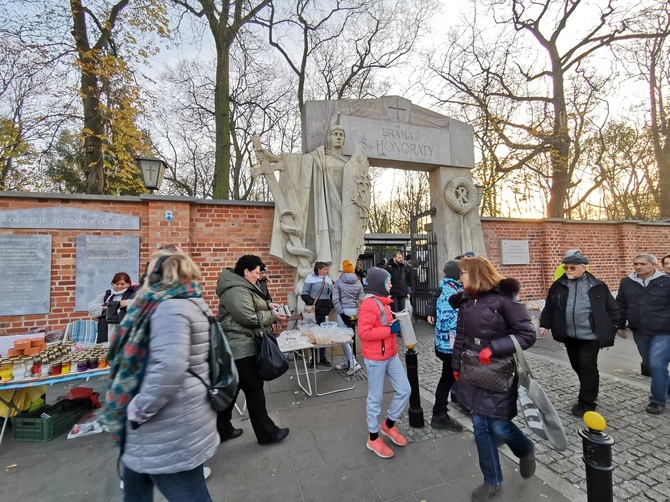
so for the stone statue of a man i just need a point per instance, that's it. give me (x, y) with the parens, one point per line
(326, 201)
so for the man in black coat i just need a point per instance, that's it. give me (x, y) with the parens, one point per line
(644, 301)
(401, 281)
(581, 313)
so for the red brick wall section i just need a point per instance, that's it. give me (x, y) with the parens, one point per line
(217, 233)
(609, 246)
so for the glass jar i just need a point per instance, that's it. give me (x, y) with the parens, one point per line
(6, 370)
(56, 367)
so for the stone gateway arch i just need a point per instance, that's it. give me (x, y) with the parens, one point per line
(390, 132)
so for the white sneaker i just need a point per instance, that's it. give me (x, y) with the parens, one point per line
(342, 366)
(354, 369)
(206, 471)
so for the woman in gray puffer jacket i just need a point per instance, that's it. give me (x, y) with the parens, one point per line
(347, 295)
(171, 427)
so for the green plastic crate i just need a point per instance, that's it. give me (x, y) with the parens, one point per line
(31, 427)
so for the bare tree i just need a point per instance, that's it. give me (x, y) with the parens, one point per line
(225, 20)
(539, 89)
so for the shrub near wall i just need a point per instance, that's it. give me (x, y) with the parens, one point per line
(217, 233)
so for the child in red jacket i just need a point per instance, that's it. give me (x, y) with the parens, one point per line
(378, 333)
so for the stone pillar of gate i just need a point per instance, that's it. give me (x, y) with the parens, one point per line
(456, 223)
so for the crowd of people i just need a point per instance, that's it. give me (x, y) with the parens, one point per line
(159, 349)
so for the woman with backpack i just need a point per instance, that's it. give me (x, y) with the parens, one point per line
(161, 349)
(110, 307)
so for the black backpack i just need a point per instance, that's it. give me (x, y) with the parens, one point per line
(222, 370)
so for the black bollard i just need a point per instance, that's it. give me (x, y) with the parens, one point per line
(597, 447)
(415, 411)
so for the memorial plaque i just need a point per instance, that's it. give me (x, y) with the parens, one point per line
(67, 217)
(25, 261)
(99, 258)
(514, 252)
(397, 142)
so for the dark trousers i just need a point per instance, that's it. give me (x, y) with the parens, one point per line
(176, 487)
(398, 304)
(444, 385)
(252, 386)
(583, 356)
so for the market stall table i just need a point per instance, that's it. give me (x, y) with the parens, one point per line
(15, 385)
(299, 349)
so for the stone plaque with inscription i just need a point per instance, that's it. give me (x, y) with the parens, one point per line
(25, 261)
(514, 252)
(98, 259)
(67, 217)
(397, 142)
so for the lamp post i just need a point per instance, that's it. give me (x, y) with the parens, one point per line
(152, 171)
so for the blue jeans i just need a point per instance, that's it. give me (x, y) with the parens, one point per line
(486, 430)
(176, 487)
(396, 373)
(655, 350)
(346, 348)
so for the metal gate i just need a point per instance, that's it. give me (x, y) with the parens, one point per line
(425, 269)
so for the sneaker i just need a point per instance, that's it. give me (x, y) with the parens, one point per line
(325, 362)
(485, 491)
(393, 434)
(353, 370)
(655, 408)
(344, 365)
(444, 421)
(379, 448)
(206, 471)
(527, 465)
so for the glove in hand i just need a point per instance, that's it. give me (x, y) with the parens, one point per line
(485, 356)
(457, 375)
(395, 327)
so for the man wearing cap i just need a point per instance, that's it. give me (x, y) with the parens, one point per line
(581, 313)
(644, 301)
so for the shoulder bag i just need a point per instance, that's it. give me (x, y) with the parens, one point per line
(270, 360)
(538, 412)
(309, 312)
(498, 376)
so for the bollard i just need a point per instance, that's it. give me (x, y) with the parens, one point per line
(415, 411)
(597, 457)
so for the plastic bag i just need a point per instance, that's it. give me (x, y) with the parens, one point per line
(270, 360)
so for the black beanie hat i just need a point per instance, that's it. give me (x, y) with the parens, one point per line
(451, 270)
(376, 279)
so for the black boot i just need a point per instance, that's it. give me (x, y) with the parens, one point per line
(645, 370)
(444, 421)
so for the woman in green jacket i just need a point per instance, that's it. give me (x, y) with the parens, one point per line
(241, 303)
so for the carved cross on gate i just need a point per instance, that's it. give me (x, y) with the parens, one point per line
(397, 109)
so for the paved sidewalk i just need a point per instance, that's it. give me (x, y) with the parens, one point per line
(324, 457)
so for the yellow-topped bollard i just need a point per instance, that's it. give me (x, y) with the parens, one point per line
(597, 447)
(595, 421)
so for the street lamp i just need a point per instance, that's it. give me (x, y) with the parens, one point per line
(152, 170)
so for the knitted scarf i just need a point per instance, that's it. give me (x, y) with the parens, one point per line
(128, 353)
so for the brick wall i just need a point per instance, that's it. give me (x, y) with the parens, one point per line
(216, 233)
(609, 246)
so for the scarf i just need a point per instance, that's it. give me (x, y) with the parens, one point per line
(128, 353)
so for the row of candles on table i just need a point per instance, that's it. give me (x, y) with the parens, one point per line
(59, 360)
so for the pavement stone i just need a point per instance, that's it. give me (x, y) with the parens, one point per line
(324, 457)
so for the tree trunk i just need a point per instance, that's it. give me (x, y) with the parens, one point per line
(221, 186)
(560, 147)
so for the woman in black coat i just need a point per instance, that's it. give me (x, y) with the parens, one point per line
(488, 313)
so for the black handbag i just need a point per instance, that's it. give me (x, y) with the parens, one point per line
(270, 361)
(115, 312)
(498, 376)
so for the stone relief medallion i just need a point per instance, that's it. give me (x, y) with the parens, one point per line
(461, 195)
